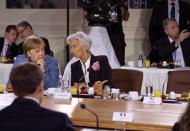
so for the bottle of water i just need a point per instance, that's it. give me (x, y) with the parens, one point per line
(60, 84)
(67, 86)
(140, 60)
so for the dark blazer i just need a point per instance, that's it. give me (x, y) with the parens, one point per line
(27, 115)
(47, 47)
(104, 73)
(165, 49)
(160, 12)
(13, 48)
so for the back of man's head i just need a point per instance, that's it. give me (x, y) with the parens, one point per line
(25, 79)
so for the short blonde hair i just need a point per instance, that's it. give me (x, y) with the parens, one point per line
(83, 39)
(32, 42)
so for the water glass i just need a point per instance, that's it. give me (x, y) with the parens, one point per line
(120, 126)
(149, 89)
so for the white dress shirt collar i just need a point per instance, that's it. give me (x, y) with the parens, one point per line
(85, 67)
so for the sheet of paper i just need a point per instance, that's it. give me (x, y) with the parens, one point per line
(152, 100)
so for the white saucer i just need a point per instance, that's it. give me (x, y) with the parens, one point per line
(130, 99)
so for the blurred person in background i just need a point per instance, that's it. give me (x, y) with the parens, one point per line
(115, 31)
(8, 48)
(175, 47)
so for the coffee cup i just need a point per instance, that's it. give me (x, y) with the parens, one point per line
(91, 91)
(133, 95)
(131, 63)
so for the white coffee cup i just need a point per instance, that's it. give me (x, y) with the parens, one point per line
(91, 91)
(131, 63)
(172, 95)
(133, 95)
(51, 91)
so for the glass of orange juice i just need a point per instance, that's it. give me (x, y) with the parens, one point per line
(73, 90)
(3, 59)
(1, 88)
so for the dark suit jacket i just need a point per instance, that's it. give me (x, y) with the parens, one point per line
(104, 73)
(13, 48)
(47, 47)
(27, 115)
(165, 49)
(160, 12)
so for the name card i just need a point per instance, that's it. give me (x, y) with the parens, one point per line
(152, 100)
(122, 116)
(62, 95)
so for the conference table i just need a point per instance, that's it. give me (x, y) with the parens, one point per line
(157, 77)
(146, 117)
(5, 70)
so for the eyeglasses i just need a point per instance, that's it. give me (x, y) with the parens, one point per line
(20, 32)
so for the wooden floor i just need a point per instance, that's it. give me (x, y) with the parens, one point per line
(146, 117)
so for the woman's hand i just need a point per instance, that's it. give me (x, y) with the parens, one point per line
(41, 63)
(98, 86)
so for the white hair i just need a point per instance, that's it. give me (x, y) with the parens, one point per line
(83, 39)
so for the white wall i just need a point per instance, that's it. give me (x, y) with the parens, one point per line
(52, 25)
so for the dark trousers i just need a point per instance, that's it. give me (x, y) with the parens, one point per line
(117, 39)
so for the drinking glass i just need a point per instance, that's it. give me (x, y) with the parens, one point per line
(149, 89)
(119, 126)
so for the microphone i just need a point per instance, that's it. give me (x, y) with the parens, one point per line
(88, 70)
(83, 106)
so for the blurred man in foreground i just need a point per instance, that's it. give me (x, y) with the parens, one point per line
(25, 113)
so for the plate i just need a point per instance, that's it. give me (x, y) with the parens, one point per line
(83, 95)
(129, 98)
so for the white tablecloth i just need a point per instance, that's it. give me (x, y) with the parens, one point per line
(155, 76)
(5, 70)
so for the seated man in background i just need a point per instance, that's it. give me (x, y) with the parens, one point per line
(25, 30)
(94, 70)
(162, 9)
(8, 48)
(176, 46)
(25, 113)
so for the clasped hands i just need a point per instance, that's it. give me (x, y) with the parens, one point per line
(41, 63)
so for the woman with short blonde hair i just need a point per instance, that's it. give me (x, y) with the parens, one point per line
(34, 52)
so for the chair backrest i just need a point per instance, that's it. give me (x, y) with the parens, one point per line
(178, 81)
(127, 80)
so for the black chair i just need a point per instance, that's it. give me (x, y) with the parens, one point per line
(178, 81)
(127, 80)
